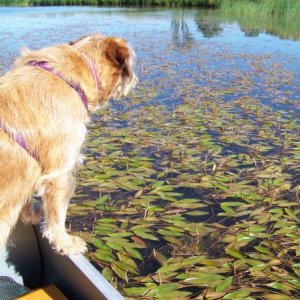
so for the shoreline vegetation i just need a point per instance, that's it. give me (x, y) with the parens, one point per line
(281, 11)
(276, 8)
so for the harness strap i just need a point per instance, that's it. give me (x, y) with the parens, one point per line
(18, 137)
(93, 71)
(44, 65)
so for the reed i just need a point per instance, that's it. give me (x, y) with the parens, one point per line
(48, 2)
(14, 2)
(286, 26)
(277, 8)
(287, 8)
(176, 3)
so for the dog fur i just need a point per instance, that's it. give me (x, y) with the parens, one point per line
(52, 118)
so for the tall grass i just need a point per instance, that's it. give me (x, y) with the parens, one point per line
(288, 8)
(277, 8)
(14, 2)
(277, 17)
(206, 3)
(47, 2)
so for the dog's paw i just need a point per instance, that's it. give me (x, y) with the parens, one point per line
(63, 243)
(69, 244)
(75, 245)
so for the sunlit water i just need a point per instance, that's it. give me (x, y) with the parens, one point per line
(182, 55)
(160, 37)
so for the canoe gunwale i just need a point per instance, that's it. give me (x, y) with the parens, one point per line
(30, 260)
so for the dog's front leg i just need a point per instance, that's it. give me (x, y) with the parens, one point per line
(56, 199)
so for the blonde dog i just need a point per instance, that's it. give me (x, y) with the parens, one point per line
(45, 103)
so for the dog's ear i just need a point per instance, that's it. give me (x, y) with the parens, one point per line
(118, 53)
(72, 43)
(88, 38)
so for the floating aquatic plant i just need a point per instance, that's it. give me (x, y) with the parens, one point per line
(190, 188)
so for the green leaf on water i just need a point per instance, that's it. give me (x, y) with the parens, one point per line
(98, 243)
(133, 252)
(279, 286)
(145, 235)
(167, 269)
(136, 291)
(114, 246)
(237, 295)
(107, 273)
(126, 267)
(264, 250)
(191, 261)
(244, 238)
(105, 257)
(234, 253)
(120, 272)
(225, 284)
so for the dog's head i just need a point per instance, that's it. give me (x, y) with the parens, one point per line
(113, 59)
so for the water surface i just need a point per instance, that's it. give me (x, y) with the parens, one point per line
(152, 32)
(202, 160)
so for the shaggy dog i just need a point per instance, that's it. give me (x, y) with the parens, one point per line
(45, 103)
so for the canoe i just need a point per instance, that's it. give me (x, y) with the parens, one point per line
(30, 261)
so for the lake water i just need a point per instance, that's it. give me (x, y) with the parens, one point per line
(201, 160)
(159, 36)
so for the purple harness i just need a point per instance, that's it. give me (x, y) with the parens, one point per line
(17, 136)
(43, 65)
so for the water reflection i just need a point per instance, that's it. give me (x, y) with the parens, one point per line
(249, 32)
(43, 26)
(283, 27)
(208, 26)
(211, 24)
(180, 30)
